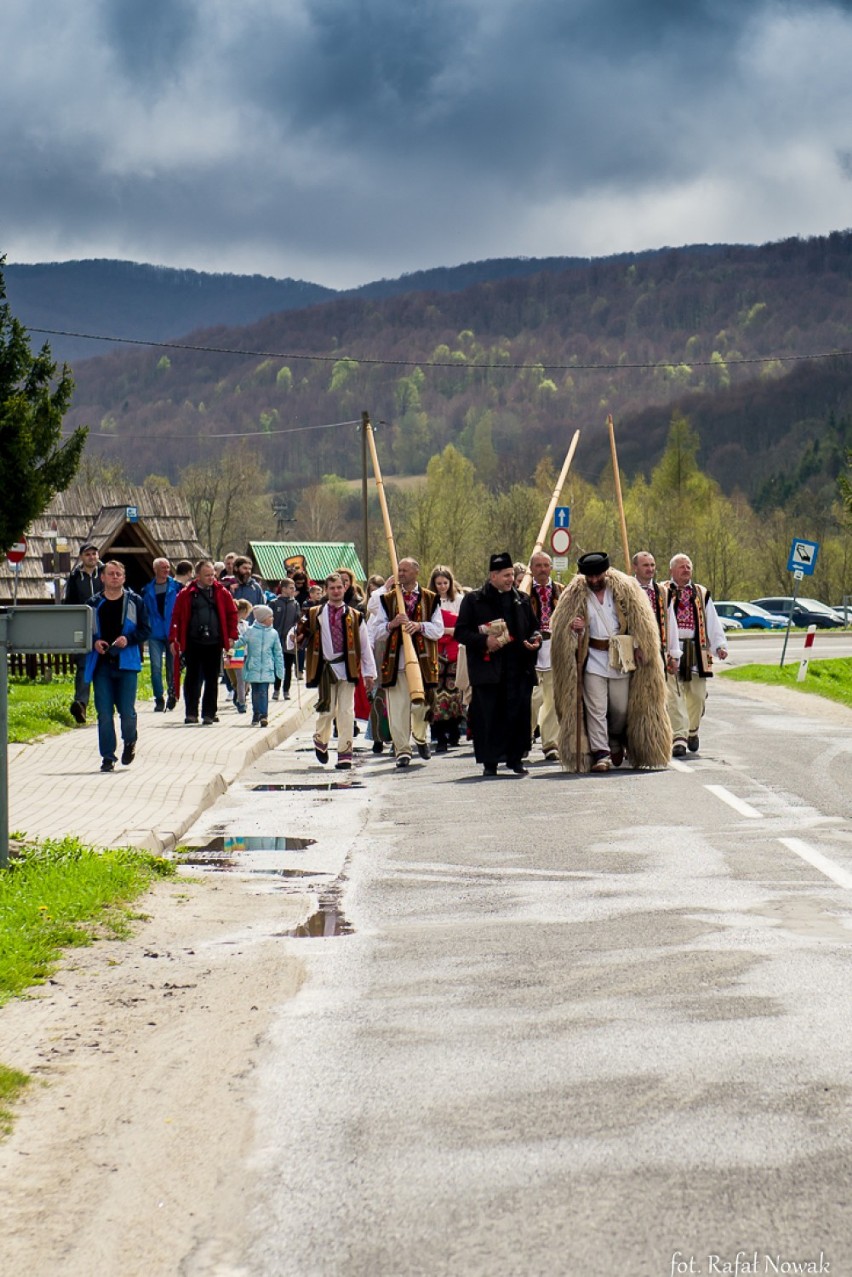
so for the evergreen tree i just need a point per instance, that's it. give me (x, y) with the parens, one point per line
(34, 462)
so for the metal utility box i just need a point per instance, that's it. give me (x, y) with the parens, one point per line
(48, 628)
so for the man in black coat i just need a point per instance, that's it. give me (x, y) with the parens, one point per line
(498, 629)
(82, 586)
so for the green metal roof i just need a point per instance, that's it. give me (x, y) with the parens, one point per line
(322, 557)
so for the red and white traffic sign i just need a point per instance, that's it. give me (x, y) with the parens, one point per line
(560, 540)
(17, 552)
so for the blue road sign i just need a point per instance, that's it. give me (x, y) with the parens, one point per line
(803, 556)
(562, 516)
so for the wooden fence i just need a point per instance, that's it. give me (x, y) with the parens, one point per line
(40, 665)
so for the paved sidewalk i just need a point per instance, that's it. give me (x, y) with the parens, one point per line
(56, 786)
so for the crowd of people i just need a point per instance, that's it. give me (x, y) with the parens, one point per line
(611, 666)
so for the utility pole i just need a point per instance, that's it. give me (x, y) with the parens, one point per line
(365, 422)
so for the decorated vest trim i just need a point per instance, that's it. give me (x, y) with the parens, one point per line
(314, 658)
(703, 654)
(426, 649)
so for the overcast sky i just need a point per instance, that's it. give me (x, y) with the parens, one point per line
(345, 140)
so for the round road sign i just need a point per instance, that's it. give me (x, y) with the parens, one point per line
(16, 552)
(560, 540)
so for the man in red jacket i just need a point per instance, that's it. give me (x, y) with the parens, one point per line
(204, 624)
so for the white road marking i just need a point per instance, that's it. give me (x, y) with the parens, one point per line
(737, 803)
(678, 766)
(842, 877)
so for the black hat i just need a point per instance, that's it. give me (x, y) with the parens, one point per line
(593, 564)
(89, 545)
(498, 562)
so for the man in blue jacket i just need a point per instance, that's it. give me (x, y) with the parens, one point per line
(159, 599)
(119, 626)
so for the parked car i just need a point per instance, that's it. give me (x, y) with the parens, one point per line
(750, 616)
(845, 614)
(729, 622)
(806, 612)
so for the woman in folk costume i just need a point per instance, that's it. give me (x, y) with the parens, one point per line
(447, 709)
(622, 705)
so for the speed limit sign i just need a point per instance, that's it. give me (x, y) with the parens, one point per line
(560, 540)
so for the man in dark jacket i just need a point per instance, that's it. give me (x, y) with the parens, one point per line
(204, 623)
(498, 629)
(82, 585)
(285, 615)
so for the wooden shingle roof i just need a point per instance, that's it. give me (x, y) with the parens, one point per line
(99, 513)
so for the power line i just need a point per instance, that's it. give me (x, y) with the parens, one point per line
(231, 434)
(437, 363)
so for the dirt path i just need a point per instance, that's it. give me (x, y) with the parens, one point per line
(130, 1140)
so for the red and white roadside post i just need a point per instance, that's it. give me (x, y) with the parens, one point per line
(803, 664)
(15, 556)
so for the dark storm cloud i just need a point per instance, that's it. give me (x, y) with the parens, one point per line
(150, 38)
(347, 138)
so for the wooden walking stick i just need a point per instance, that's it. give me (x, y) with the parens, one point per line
(526, 581)
(579, 746)
(617, 478)
(412, 664)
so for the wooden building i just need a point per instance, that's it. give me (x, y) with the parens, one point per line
(134, 525)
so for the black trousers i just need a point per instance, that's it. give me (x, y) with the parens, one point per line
(289, 663)
(203, 667)
(500, 721)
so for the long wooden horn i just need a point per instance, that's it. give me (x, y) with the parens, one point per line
(617, 478)
(412, 665)
(526, 581)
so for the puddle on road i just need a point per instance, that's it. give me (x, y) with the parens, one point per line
(230, 843)
(216, 863)
(323, 786)
(327, 921)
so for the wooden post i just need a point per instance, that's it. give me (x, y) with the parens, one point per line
(412, 664)
(526, 581)
(617, 477)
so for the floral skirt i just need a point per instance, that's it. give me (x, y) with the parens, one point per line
(447, 703)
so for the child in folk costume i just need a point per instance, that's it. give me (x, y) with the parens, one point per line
(337, 653)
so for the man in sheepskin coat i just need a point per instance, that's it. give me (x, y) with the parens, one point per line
(623, 701)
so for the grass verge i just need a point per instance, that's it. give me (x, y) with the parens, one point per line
(832, 679)
(41, 709)
(58, 894)
(55, 895)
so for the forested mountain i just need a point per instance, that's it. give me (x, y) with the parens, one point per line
(507, 368)
(156, 303)
(150, 303)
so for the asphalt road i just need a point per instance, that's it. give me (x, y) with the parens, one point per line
(582, 1025)
(761, 647)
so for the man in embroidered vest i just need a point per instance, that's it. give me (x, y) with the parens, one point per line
(605, 672)
(701, 635)
(338, 651)
(498, 630)
(544, 594)
(421, 619)
(644, 570)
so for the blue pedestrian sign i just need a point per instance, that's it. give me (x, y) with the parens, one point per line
(562, 516)
(803, 556)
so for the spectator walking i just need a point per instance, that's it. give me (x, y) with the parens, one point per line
(264, 662)
(285, 616)
(159, 598)
(82, 585)
(248, 586)
(204, 623)
(119, 627)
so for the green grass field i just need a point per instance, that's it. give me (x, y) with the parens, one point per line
(41, 709)
(832, 679)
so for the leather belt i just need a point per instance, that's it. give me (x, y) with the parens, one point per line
(602, 645)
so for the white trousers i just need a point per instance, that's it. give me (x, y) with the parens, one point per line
(544, 710)
(606, 710)
(342, 708)
(404, 719)
(685, 703)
